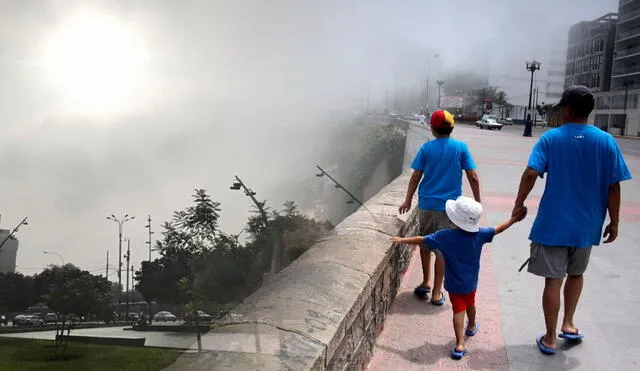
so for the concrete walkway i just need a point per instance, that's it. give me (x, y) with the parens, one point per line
(419, 336)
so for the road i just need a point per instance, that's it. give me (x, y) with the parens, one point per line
(418, 336)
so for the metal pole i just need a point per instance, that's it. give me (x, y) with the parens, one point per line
(23, 222)
(55, 253)
(626, 96)
(276, 254)
(127, 291)
(106, 271)
(120, 267)
(150, 233)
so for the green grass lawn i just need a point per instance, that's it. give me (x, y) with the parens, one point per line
(37, 355)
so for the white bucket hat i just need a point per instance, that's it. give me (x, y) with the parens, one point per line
(464, 212)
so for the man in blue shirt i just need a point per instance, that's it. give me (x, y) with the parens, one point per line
(437, 168)
(584, 168)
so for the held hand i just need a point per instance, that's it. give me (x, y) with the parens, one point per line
(518, 214)
(515, 210)
(610, 233)
(406, 206)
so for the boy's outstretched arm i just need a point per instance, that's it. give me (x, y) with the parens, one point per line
(417, 240)
(518, 214)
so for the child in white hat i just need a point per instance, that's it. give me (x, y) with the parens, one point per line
(461, 248)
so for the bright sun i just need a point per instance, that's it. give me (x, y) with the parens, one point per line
(95, 63)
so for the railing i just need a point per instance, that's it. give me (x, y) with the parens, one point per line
(626, 71)
(626, 16)
(625, 52)
(628, 34)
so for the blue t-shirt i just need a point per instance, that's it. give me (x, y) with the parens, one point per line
(461, 251)
(441, 162)
(581, 161)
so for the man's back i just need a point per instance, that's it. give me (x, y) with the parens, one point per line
(441, 161)
(581, 161)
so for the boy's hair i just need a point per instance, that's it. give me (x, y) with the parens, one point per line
(443, 131)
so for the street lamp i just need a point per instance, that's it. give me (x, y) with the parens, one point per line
(440, 83)
(54, 253)
(23, 222)
(276, 254)
(120, 222)
(429, 76)
(532, 66)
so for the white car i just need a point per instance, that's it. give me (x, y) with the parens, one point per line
(164, 316)
(489, 123)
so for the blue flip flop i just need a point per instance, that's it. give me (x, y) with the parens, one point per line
(575, 336)
(471, 333)
(456, 354)
(439, 302)
(543, 348)
(421, 292)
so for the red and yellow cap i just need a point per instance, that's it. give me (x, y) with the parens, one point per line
(442, 120)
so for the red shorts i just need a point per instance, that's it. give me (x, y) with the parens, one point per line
(460, 303)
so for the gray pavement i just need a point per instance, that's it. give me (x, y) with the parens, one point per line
(153, 339)
(607, 313)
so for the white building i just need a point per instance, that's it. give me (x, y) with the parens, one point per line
(8, 252)
(613, 115)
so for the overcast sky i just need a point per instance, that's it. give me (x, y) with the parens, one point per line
(126, 106)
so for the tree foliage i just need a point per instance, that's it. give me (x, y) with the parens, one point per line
(203, 266)
(65, 289)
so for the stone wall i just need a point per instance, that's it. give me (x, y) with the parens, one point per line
(324, 311)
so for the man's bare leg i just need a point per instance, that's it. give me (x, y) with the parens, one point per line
(551, 307)
(425, 257)
(572, 291)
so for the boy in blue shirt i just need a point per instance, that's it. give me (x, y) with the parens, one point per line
(461, 247)
(437, 169)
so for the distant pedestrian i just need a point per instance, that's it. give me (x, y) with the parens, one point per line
(461, 247)
(584, 168)
(437, 169)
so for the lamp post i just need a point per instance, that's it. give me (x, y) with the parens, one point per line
(23, 222)
(126, 293)
(276, 254)
(55, 253)
(120, 222)
(148, 226)
(432, 57)
(532, 66)
(440, 83)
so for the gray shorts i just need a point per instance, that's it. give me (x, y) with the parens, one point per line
(558, 261)
(431, 221)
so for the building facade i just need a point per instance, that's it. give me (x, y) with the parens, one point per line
(8, 252)
(626, 61)
(590, 51)
(617, 110)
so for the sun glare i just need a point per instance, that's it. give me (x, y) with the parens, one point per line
(96, 63)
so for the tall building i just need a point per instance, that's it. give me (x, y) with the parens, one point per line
(617, 111)
(8, 252)
(590, 53)
(626, 61)
(554, 70)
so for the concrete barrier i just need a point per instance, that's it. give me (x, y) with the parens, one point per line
(324, 310)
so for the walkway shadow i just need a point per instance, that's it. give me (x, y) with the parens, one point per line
(407, 303)
(477, 358)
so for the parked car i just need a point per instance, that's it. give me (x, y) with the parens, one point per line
(164, 316)
(488, 123)
(3, 320)
(50, 318)
(27, 320)
(202, 317)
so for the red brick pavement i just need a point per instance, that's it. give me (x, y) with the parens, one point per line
(419, 336)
